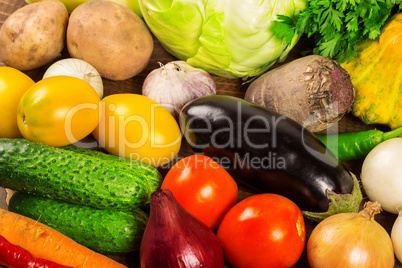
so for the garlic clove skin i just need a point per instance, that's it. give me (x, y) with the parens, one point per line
(176, 83)
(77, 68)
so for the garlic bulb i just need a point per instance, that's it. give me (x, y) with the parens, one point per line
(176, 83)
(77, 68)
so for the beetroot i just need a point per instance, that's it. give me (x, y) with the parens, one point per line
(315, 91)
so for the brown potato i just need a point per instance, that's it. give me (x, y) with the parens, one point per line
(34, 35)
(110, 37)
(315, 91)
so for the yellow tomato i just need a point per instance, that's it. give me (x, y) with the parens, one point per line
(135, 127)
(13, 84)
(58, 111)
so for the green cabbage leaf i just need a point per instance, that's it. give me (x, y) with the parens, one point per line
(227, 38)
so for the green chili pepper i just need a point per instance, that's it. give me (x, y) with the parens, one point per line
(356, 145)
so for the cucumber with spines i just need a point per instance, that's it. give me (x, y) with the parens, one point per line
(101, 230)
(150, 173)
(38, 169)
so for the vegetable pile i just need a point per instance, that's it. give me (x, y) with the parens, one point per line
(264, 159)
(101, 195)
(114, 157)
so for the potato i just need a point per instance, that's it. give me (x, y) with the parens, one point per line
(34, 35)
(313, 90)
(111, 37)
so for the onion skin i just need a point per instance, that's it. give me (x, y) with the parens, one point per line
(381, 175)
(351, 240)
(396, 236)
(174, 238)
(77, 68)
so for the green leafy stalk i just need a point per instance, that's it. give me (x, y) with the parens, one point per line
(338, 25)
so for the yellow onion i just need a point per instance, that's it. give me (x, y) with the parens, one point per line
(351, 240)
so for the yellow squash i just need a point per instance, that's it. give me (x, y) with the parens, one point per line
(376, 74)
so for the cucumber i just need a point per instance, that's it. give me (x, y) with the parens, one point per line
(38, 169)
(150, 173)
(101, 230)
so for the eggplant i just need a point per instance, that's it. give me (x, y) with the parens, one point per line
(270, 153)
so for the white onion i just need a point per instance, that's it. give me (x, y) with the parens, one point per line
(396, 236)
(77, 68)
(381, 174)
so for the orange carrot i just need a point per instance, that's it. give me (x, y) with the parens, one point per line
(46, 243)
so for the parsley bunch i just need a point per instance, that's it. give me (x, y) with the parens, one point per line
(338, 25)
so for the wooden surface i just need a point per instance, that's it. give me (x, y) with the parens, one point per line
(232, 87)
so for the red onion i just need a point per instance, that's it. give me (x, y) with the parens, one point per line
(175, 238)
(176, 83)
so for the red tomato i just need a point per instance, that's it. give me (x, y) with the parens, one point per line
(203, 188)
(264, 230)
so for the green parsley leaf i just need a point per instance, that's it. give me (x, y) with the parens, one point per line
(284, 28)
(337, 26)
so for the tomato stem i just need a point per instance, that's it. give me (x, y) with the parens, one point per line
(24, 120)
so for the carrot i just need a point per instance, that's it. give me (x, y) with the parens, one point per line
(46, 243)
(15, 256)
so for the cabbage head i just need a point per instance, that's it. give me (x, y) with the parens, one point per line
(228, 38)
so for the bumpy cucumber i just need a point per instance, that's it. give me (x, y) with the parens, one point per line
(102, 230)
(150, 173)
(38, 169)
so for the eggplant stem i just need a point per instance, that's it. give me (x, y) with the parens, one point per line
(339, 203)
